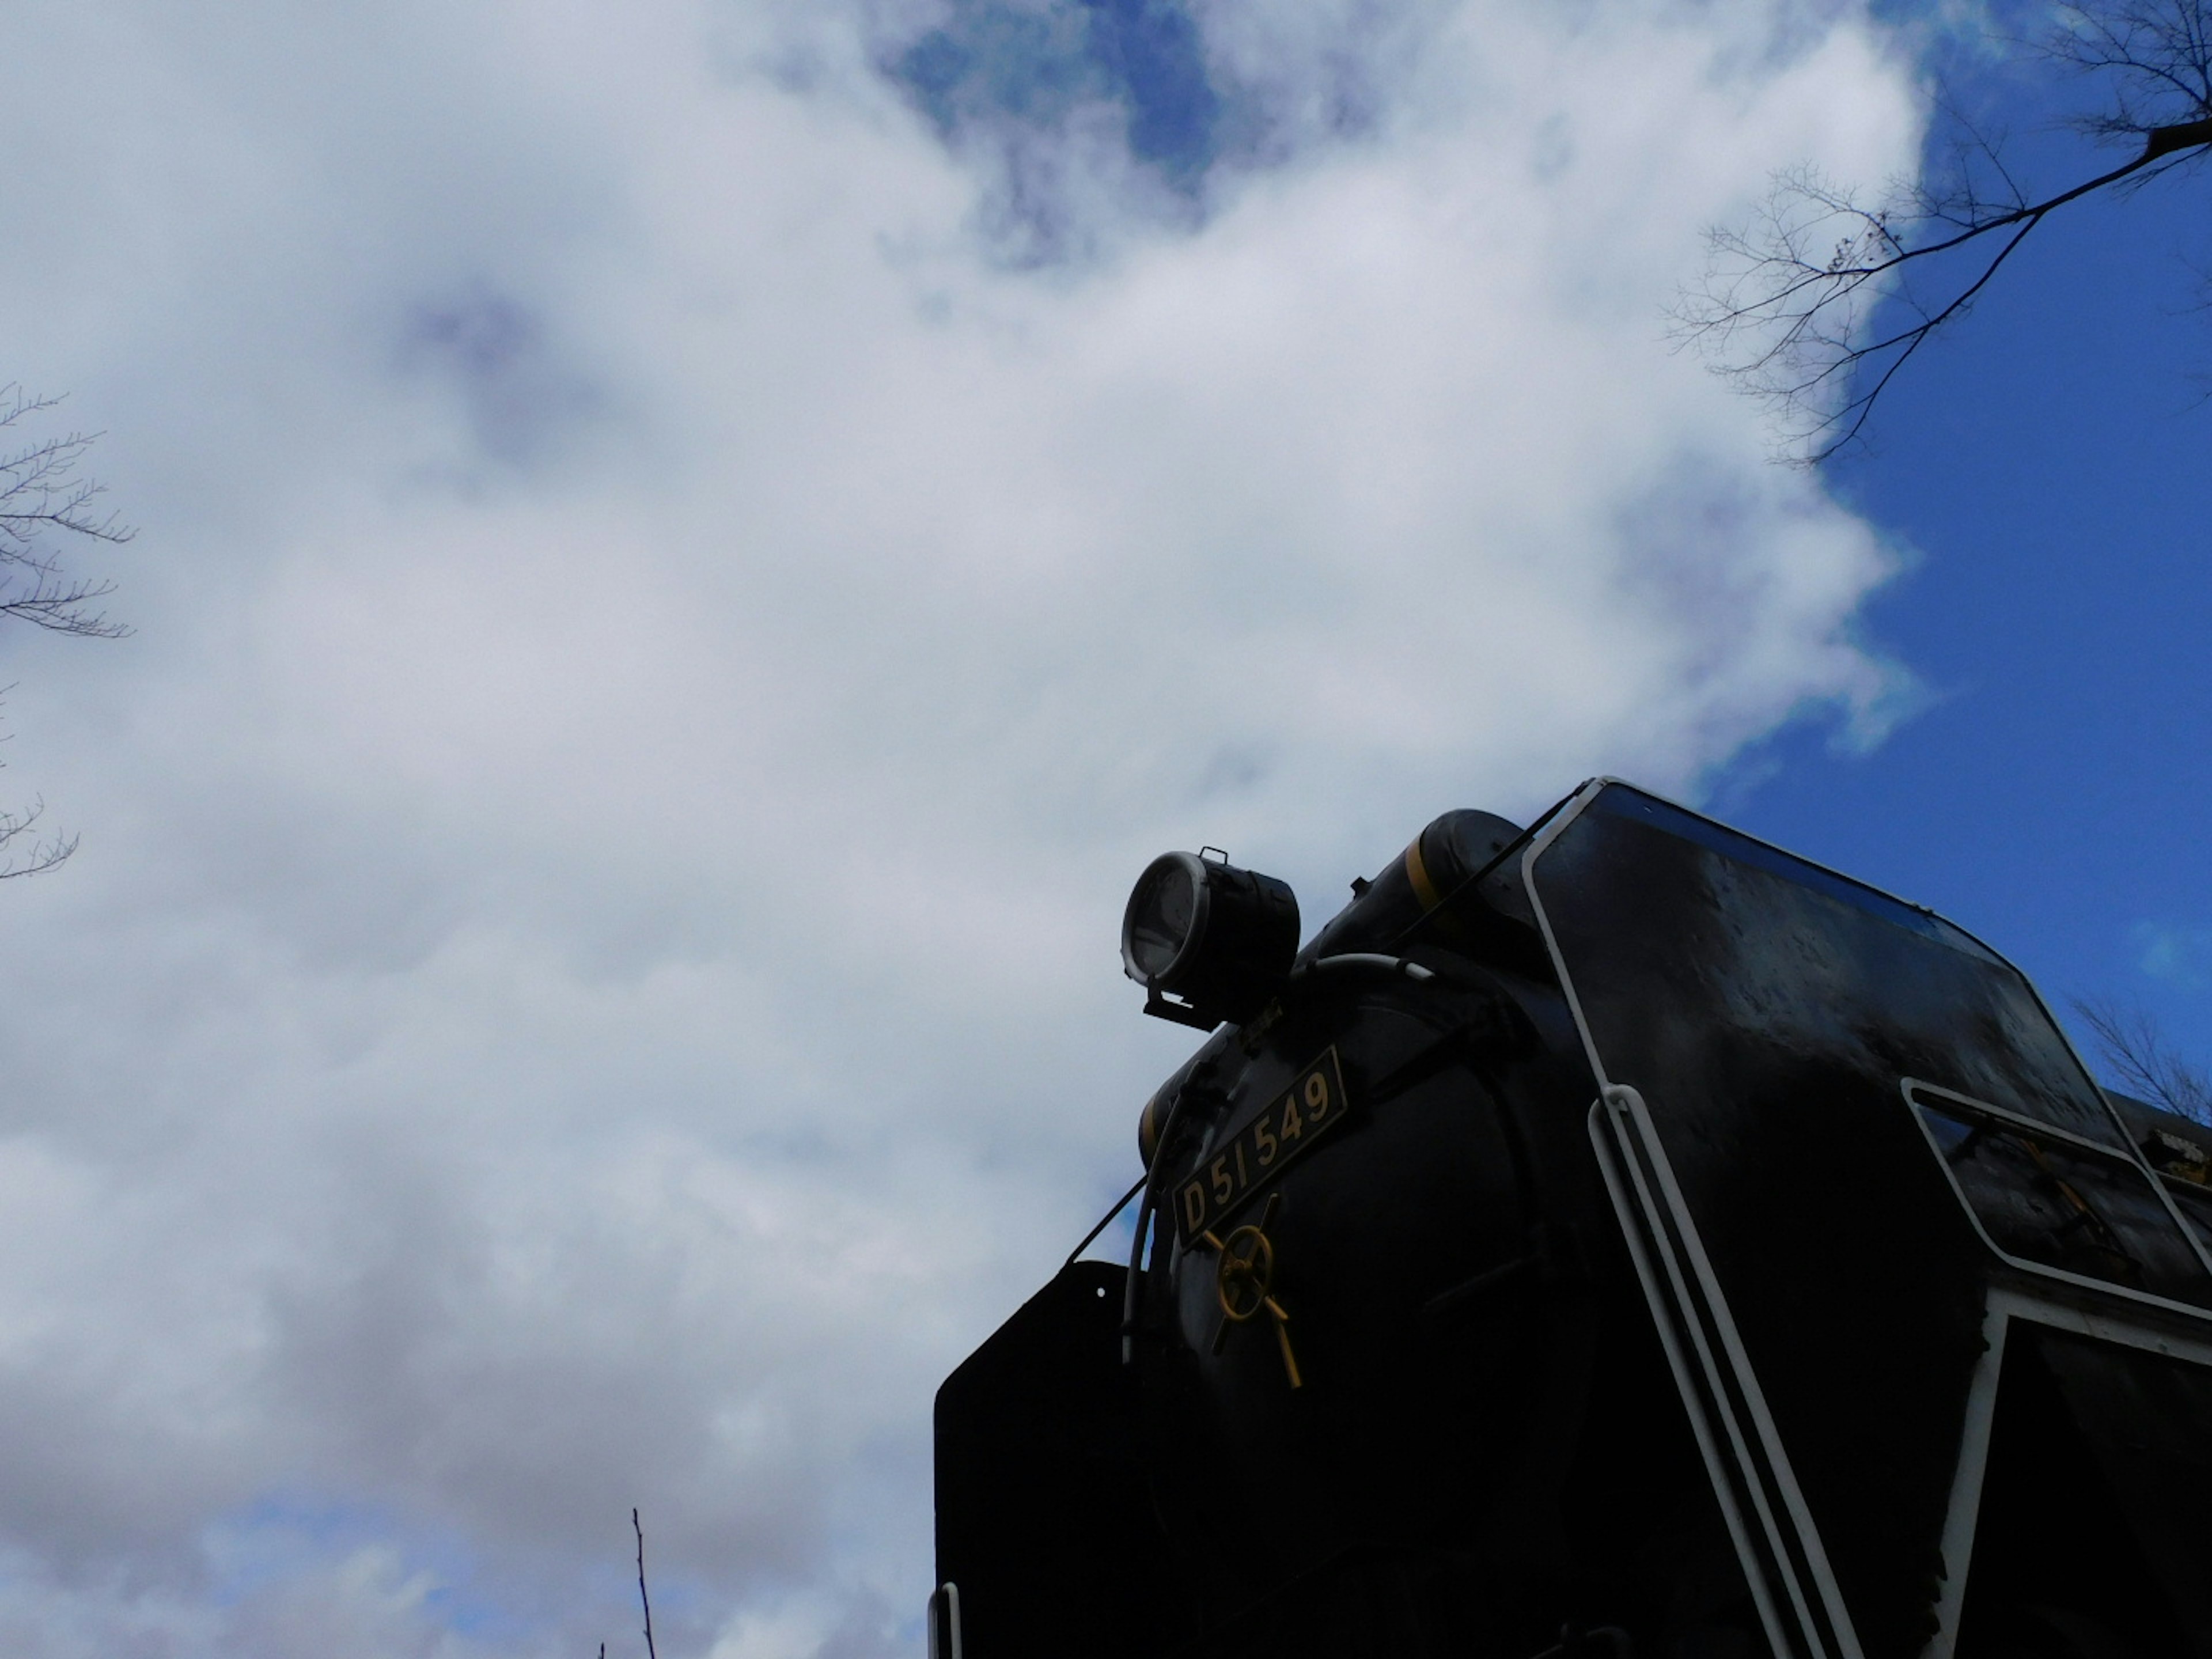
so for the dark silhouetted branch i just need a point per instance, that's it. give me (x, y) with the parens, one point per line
(1789, 301)
(644, 1600)
(2134, 1048)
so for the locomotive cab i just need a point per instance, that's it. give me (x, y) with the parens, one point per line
(1617, 1236)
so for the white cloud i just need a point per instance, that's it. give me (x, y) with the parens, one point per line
(2180, 956)
(590, 979)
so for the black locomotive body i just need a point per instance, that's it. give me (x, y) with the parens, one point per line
(1615, 1238)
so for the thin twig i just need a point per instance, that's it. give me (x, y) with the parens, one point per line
(644, 1600)
(43, 856)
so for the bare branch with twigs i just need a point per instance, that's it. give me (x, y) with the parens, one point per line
(44, 498)
(42, 493)
(1790, 302)
(2134, 1048)
(44, 854)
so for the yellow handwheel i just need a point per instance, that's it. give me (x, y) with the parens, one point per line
(1243, 1273)
(1243, 1279)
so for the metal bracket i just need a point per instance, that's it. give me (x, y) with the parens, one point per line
(1180, 1012)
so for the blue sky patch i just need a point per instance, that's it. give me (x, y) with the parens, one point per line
(284, 1538)
(1005, 70)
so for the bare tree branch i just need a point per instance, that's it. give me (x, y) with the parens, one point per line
(2137, 1052)
(44, 855)
(45, 852)
(2156, 53)
(44, 499)
(41, 493)
(1788, 303)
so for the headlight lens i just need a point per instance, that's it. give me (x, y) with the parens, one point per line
(1163, 916)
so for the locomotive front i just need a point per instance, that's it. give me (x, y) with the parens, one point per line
(1613, 1236)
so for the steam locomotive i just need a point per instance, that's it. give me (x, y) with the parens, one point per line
(1616, 1237)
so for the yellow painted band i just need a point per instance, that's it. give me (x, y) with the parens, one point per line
(1417, 874)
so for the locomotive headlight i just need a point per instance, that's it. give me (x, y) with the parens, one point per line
(1207, 941)
(1167, 915)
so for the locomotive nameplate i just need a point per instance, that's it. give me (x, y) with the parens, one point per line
(1245, 1162)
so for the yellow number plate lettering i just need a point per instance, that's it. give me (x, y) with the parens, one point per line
(1247, 1159)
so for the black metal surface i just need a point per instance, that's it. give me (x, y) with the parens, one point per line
(1770, 1012)
(1044, 1520)
(2094, 1533)
(2143, 1417)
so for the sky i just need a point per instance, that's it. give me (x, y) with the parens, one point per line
(688, 556)
(2040, 471)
